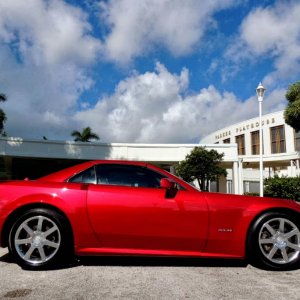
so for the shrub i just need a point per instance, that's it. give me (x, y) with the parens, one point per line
(282, 187)
(251, 194)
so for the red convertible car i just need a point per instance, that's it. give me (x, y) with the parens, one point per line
(134, 208)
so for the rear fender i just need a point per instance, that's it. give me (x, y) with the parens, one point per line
(72, 207)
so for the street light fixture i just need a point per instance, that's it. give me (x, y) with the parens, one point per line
(260, 91)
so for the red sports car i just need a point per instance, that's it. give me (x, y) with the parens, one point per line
(134, 208)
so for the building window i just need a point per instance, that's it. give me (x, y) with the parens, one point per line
(297, 141)
(240, 140)
(251, 187)
(213, 186)
(277, 139)
(229, 187)
(255, 142)
(226, 141)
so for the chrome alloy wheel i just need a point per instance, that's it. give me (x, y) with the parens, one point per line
(279, 241)
(37, 239)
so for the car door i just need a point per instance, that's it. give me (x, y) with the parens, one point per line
(128, 210)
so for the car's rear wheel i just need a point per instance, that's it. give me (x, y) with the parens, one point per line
(39, 239)
(274, 241)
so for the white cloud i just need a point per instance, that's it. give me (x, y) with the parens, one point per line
(137, 26)
(39, 100)
(151, 107)
(272, 32)
(50, 32)
(45, 47)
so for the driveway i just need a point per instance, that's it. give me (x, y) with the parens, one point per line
(147, 278)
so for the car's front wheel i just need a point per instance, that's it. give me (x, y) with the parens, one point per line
(274, 241)
(39, 239)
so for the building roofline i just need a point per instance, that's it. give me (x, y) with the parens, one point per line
(19, 140)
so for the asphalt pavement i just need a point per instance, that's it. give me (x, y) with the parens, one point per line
(147, 278)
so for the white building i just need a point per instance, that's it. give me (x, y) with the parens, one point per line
(20, 158)
(281, 148)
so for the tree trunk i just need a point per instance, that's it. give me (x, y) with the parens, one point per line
(202, 183)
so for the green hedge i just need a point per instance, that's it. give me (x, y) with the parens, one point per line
(282, 187)
(251, 194)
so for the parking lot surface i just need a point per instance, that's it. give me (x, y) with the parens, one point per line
(147, 278)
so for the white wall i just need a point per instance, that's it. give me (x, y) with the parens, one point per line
(165, 153)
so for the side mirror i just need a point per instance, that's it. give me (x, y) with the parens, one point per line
(169, 186)
(166, 183)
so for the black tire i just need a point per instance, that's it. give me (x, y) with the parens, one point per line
(274, 241)
(40, 239)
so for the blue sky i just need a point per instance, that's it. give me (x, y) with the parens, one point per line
(145, 71)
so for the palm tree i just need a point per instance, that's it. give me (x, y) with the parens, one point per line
(85, 136)
(2, 113)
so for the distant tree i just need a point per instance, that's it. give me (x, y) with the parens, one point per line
(183, 170)
(85, 136)
(202, 165)
(292, 111)
(3, 118)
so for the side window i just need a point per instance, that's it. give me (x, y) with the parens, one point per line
(128, 176)
(86, 176)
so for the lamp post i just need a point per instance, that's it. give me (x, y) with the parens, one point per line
(260, 91)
